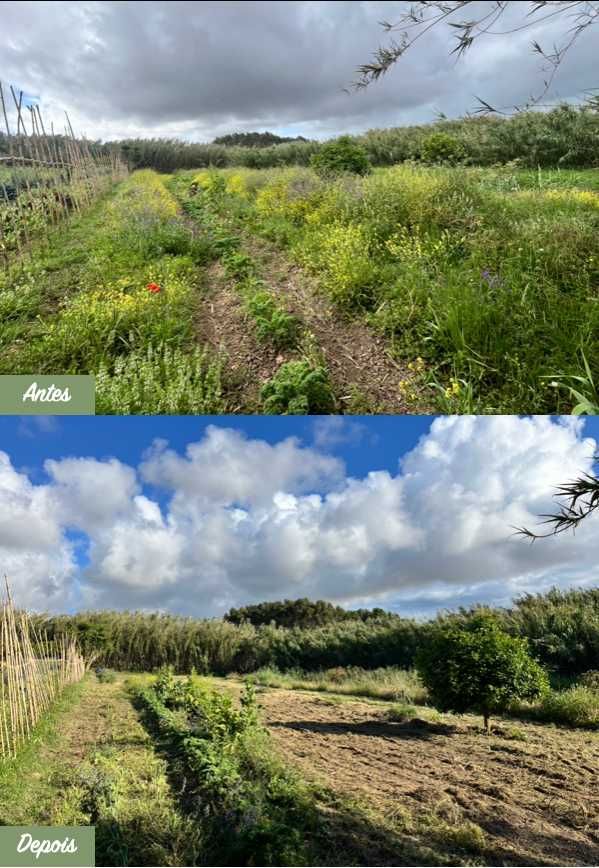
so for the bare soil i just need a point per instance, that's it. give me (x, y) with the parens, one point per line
(532, 789)
(222, 324)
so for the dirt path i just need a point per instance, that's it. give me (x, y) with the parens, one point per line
(221, 323)
(536, 795)
(357, 357)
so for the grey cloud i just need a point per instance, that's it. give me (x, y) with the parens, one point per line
(199, 68)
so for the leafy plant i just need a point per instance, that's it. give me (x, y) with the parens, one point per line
(442, 148)
(298, 388)
(273, 323)
(254, 810)
(476, 666)
(160, 380)
(341, 155)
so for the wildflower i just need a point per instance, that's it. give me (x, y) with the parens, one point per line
(492, 280)
(454, 389)
(153, 287)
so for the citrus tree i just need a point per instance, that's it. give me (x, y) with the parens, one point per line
(473, 665)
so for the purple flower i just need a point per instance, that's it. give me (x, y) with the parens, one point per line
(492, 280)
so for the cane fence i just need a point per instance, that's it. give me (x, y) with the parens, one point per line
(33, 673)
(44, 175)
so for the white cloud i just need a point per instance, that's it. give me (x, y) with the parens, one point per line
(242, 520)
(225, 467)
(34, 553)
(89, 493)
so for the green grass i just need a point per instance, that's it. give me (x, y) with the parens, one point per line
(390, 684)
(577, 706)
(114, 294)
(91, 762)
(18, 801)
(487, 275)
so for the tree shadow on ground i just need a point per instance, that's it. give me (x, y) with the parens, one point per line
(411, 729)
(344, 833)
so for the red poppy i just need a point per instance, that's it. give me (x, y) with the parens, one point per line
(153, 287)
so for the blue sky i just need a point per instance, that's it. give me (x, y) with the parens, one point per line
(368, 442)
(196, 515)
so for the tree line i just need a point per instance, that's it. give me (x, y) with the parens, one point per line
(566, 136)
(562, 629)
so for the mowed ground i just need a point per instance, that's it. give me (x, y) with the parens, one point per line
(536, 800)
(428, 790)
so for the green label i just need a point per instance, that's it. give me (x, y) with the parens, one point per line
(47, 845)
(37, 395)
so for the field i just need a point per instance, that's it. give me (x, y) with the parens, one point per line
(412, 289)
(313, 740)
(373, 784)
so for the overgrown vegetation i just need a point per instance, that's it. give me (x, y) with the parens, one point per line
(117, 298)
(566, 137)
(484, 276)
(389, 683)
(561, 627)
(252, 809)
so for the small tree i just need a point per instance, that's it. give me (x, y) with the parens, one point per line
(341, 155)
(474, 665)
(442, 148)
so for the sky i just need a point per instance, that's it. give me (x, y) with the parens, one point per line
(195, 70)
(196, 515)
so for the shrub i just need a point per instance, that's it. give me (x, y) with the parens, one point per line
(341, 155)
(577, 706)
(442, 148)
(298, 388)
(476, 666)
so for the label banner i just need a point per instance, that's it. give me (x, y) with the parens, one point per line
(47, 395)
(59, 846)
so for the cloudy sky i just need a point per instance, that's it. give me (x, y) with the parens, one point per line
(199, 69)
(177, 514)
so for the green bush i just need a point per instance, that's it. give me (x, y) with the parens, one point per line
(341, 155)
(577, 706)
(298, 388)
(441, 148)
(476, 666)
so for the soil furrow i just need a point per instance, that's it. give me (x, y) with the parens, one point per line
(357, 357)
